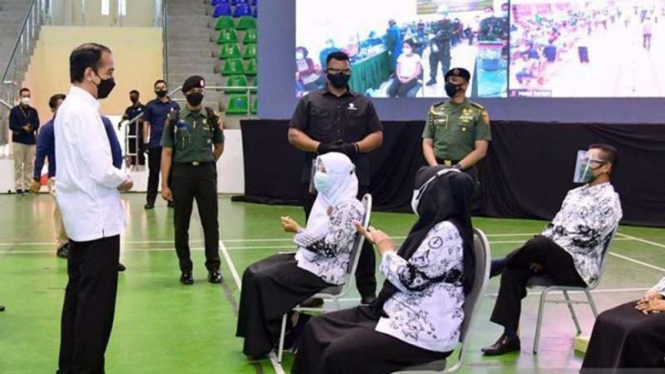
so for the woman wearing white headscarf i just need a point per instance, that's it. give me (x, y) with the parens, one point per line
(273, 286)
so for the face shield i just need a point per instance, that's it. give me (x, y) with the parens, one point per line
(585, 165)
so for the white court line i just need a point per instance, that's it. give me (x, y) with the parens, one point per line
(23, 244)
(234, 272)
(637, 261)
(640, 240)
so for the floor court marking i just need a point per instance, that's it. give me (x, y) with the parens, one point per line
(234, 272)
(624, 236)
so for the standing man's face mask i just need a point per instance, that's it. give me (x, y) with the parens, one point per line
(105, 87)
(160, 93)
(339, 78)
(25, 101)
(452, 89)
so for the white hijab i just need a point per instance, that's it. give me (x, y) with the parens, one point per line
(343, 186)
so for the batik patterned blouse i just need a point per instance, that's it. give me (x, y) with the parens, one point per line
(327, 256)
(427, 310)
(584, 225)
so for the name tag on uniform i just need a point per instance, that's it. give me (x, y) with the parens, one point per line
(352, 107)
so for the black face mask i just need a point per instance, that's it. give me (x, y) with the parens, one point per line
(105, 87)
(451, 89)
(134, 99)
(160, 93)
(195, 98)
(339, 80)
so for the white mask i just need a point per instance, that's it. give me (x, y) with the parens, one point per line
(25, 101)
(299, 56)
(321, 182)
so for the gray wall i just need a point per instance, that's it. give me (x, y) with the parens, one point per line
(277, 88)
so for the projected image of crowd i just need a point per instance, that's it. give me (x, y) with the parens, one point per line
(612, 45)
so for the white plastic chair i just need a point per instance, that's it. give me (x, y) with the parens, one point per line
(334, 293)
(548, 285)
(483, 259)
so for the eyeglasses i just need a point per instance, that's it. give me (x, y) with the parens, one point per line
(339, 71)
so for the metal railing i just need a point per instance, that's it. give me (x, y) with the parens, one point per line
(14, 72)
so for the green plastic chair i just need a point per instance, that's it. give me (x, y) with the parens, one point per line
(227, 37)
(229, 51)
(236, 81)
(238, 104)
(252, 68)
(225, 23)
(250, 51)
(250, 36)
(246, 23)
(254, 106)
(233, 66)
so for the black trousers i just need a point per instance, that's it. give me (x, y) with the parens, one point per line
(477, 197)
(556, 262)
(442, 56)
(365, 274)
(191, 182)
(154, 166)
(399, 89)
(89, 307)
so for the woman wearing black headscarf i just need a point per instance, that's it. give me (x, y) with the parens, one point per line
(418, 314)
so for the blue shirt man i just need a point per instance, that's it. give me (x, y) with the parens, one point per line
(154, 118)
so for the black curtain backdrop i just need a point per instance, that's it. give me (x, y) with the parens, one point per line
(526, 174)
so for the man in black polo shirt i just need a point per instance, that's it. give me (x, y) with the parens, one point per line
(24, 123)
(154, 118)
(133, 111)
(335, 119)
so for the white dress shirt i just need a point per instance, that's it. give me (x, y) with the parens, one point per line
(426, 311)
(86, 181)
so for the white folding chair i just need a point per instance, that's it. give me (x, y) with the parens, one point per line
(548, 285)
(334, 293)
(483, 259)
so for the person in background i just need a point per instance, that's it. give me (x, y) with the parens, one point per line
(409, 69)
(24, 123)
(570, 250)
(88, 192)
(307, 75)
(330, 48)
(193, 141)
(46, 150)
(393, 43)
(336, 119)
(154, 118)
(136, 128)
(647, 31)
(440, 46)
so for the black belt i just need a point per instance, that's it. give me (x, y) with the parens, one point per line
(194, 163)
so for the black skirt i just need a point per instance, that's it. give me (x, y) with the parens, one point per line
(623, 337)
(271, 288)
(346, 342)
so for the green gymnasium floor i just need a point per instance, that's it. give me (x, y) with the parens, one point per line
(163, 327)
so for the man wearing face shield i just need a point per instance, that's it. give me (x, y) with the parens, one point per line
(457, 132)
(570, 249)
(193, 141)
(336, 119)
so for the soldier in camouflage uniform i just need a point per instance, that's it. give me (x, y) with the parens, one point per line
(440, 47)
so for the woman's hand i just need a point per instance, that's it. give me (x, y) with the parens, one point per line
(289, 225)
(651, 306)
(650, 295)
(378, 238)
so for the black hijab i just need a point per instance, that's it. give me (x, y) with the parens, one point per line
(446, 198)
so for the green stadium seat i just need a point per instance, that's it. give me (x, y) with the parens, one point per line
(236, 81)
(233, 66)
(229, 51)
(254, 106)
(250, 37)
(225, 23)
(252, 68)
(246, 23)
(250, 51)
(227, 37)
(238, 104)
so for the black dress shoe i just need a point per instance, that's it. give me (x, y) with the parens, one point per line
(504, 345)
(2, 308)
(19, 192)
(186, 278)
(215, 277)
(367, 300)
(121, 267)
(149, 206)
(63, 251)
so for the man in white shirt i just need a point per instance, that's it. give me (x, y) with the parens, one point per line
(89, 189)
(570, 250)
